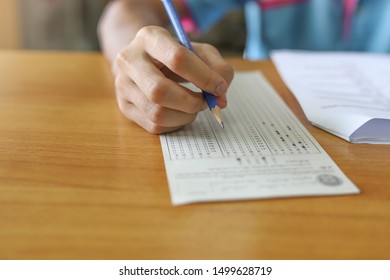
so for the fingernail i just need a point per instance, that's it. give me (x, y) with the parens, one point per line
(221, 88)
(224, 99)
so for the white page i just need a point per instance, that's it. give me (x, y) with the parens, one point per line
(347, 94)
(263, 152)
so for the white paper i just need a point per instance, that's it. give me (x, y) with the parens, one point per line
(347, 94)
(263, 152)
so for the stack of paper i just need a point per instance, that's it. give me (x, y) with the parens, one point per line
(347, 94)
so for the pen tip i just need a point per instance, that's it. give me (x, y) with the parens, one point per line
(217, 114)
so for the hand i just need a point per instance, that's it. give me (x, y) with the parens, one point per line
(147, 76)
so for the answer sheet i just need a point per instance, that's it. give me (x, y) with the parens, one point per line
(263, 152)
(344, 93)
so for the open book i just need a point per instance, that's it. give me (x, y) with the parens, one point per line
(347, 94)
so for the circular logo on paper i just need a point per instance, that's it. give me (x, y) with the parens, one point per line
(329, 180)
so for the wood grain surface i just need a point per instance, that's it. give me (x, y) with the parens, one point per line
(80, 181)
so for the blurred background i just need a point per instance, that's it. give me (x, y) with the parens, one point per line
(72, 25)
(50, 24)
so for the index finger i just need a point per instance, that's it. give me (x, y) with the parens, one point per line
(163, 47)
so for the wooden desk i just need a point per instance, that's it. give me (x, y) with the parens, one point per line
(79, 181)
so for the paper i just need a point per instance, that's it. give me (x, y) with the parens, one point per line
(263, 152)
(347, 94)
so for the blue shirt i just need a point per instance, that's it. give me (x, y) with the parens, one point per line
(305, 25)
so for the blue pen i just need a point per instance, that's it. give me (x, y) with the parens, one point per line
(183, 38)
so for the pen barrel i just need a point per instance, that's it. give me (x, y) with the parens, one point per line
(210, 99)
(184, 40)
(176, 23)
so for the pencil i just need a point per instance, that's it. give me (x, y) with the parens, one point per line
(183, 38)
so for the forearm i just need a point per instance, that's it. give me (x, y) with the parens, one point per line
(121, 21)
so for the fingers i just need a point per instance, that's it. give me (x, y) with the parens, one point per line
(145, 91)
(211, 56)
(151, 116)
(181, 61)
(132, 112)
(162, 91)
